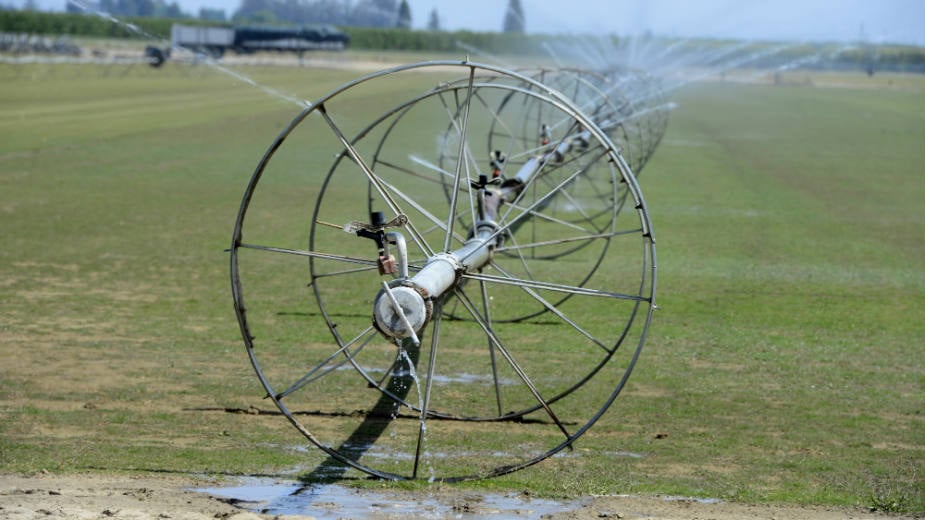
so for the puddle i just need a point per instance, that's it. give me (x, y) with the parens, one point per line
(334, 502)
(440, 379)
(374, 451)
(672, 498)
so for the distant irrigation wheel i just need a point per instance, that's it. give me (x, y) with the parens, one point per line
(524, 124)
(349, 272)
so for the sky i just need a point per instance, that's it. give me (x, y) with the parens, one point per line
(876, 21)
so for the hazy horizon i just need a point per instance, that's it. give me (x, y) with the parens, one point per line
(884, 21)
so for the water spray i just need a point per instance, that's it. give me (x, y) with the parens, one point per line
(157, 55)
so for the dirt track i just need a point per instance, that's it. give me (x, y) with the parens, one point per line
(143, 498)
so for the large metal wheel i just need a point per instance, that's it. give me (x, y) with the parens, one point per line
(341, 273)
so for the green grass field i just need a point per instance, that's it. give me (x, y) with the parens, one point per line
(785, 364)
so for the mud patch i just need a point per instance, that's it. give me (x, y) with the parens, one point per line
(156, 497)
(333, 502)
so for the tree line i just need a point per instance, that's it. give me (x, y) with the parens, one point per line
(373, 38)
(353, 13)
(885, 57)
(362, 13)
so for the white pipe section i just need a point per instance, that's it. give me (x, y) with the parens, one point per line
(437, 277)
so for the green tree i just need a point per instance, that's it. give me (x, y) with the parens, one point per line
(211, 14)
(144, 7)
(514, 18)
(125, 8)
(404, 15)
(248, 8)
(264, 16)
(434, 23)
(374, 13)
(173, 10)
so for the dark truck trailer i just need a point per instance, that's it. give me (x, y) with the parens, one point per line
(305, 38)
(214, 41)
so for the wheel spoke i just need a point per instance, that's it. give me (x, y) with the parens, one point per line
(508, 223)
(373, 179)
(358, 160)
(491, 346)
(423, 211)
(473, 311)
(495, 116)
(461, 165)
(409, 171)
(311, 254)
(547, 218)
(578, 206)
(540, 201)
(578, 238)
(343, 272)
(428, 385)
(520, 256)
(547, 286)
(310, 377)
(555, 310)
(453, 114)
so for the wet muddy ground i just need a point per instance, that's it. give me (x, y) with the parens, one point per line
(187, 497)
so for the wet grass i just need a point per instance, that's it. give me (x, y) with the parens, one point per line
(784, 366)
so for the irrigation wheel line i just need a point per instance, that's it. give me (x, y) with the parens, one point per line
(598, 232)
(396, 387)
(606, 99)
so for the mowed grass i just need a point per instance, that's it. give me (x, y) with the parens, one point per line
(785, 364)
(788, 356)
